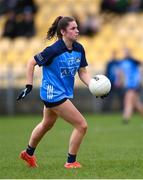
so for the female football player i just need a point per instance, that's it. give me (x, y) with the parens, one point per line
(59, 62)
(131, 75)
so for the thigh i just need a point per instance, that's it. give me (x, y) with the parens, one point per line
(70, 113)
(138, 102)
(49, 117)
(129, 97)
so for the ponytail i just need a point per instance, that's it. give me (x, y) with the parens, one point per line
(59, 23)
(53, 29)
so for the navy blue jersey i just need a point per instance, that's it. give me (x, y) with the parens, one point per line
(59, 66)
(112, 71)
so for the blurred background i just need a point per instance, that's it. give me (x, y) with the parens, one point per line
(106, 28)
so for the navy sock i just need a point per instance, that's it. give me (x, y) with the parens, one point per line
(71, 158)
(30, 150)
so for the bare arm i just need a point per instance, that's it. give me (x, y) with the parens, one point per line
(84, 76)
(29, 80)
(30, 71)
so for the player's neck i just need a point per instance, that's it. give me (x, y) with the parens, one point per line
(68, 43)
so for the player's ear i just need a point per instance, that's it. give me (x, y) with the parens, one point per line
(62, 32)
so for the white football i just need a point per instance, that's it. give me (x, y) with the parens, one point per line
(100, 85)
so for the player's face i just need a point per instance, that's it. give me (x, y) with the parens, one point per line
(71, 31)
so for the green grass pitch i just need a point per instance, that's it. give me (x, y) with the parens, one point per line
(110, 149)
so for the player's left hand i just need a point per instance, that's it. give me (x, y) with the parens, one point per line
(24, 92)
(102, 97)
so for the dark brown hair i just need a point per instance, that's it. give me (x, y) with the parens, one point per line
(59, 24)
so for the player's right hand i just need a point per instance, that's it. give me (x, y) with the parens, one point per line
(24, 92)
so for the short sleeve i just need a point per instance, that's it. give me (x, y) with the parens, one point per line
(83, 58)
(45, 57)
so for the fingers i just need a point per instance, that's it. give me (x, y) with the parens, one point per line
(102, 97)
(20, 96)
(24, 92)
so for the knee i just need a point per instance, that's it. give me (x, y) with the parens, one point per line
(46, 126)
(83, 127)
